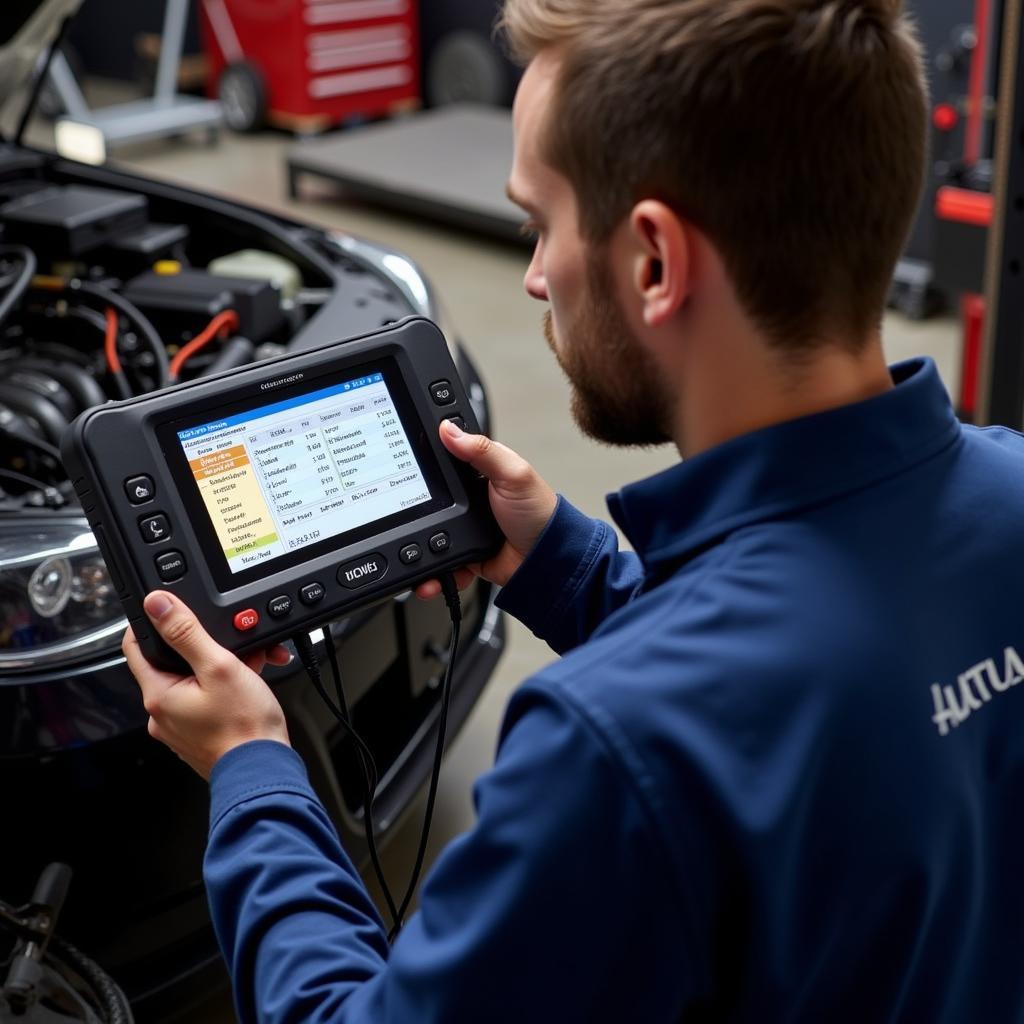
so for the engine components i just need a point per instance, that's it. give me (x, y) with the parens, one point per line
(99, 301)
(175, 301)
(261, 266)
(38, 411)
(66, 221)
(129, 251)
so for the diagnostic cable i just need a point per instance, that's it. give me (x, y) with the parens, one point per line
(304, 647)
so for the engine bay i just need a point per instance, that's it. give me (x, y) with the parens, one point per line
(103, 296)
(113, 286)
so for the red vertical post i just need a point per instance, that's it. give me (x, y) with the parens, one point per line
(973, 311)
(976, 84)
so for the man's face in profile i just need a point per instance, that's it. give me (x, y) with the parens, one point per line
(618, 394)
(616, 391)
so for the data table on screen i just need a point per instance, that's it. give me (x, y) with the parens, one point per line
(296, 472)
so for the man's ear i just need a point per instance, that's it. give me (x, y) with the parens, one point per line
(662, 261)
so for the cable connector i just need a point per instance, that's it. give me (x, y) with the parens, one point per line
(307, 655)
(452, 598)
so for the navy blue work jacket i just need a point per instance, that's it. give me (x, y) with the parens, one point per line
(777, 775)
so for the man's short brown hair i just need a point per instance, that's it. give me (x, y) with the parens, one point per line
(792, 132)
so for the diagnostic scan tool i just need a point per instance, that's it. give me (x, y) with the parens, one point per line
(277, 497)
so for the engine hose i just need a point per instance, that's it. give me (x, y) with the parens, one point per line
(15, 291)
(40, 412)
(237, 351)
(115, 1004)
(132, 313)
(78, 382)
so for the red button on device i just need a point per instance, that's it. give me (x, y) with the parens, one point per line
(247, 619)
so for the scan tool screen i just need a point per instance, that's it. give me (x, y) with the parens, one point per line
(292, 473)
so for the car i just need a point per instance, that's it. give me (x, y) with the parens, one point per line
(104, 277)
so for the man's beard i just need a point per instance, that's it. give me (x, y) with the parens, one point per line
(618, 394)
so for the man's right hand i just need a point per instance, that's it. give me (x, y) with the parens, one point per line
(521, 501)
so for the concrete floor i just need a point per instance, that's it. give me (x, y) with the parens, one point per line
(481, 282)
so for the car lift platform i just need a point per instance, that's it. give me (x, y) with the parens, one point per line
(449, 164)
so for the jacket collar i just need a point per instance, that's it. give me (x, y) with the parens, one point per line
(783, 468)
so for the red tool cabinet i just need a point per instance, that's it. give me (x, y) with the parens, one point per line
(321, 61)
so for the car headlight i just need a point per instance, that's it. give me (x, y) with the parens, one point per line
(57, 603)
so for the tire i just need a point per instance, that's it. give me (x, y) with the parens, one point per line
(242, 92)
(465, 68)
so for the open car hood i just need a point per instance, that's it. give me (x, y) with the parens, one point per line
(27, 28)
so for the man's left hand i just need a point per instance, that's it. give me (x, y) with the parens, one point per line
(223, 704)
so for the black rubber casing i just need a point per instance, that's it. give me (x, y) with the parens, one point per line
(108, 445)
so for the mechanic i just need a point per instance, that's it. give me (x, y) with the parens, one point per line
(776, 773)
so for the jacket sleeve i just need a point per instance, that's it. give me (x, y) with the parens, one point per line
(553, 908)
(572, 580)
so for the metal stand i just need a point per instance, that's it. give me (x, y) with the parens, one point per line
(165, 113)
(449, 165)
(1001, 398)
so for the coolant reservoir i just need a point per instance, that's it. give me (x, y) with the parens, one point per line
(262, 266)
